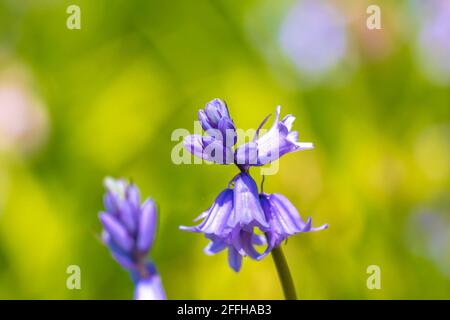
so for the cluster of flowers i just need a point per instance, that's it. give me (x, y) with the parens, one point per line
(240, 209)
(231, 221)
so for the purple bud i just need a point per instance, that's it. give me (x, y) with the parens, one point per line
(147, 226)
(117, 232)
(127, 215)
(228, 131)
(203, 118)
(133, 195)
(110, 203)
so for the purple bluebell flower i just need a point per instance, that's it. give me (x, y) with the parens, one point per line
(240, 213)
(231, 220)
(129, 232)
(216, 146)
(279, 140)
(283, 218)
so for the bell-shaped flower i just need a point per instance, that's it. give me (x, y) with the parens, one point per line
(279, 140)
(231, 221)
(283, 218)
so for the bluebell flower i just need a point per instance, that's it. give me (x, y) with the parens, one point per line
(283, 218)
(231, 221)
(278, 141)
(129, 232)
(216, 146)
(241, 218)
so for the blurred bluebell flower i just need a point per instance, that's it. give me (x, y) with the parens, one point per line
(433, 39)
(129, 232)
(427, 234)
(283, 218)
(313, 35)
(279, 140)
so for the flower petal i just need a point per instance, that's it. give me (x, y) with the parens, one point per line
(147, 226)
(217, 219)
(217, 152)
(234, 259)
(110, 203)
(117, 232)
(285, 214)
(247, 154)
(258, 240)
(133, 195)
(127, 215)
(247, 208)
(208, 148)
(228, 130)
(278, 141)
(247, 246)
(204, 121)
(215, 246)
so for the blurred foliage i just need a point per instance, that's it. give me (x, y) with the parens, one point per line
(116, 89)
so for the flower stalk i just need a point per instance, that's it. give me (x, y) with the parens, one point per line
(284, 274)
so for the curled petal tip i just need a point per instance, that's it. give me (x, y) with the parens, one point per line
(322, 227)
(306, 145)
(234, 259)
(186, 228)
(278, 109)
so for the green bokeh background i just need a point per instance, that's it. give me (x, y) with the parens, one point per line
(115, 91)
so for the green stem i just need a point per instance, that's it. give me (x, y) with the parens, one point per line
(284, 274)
